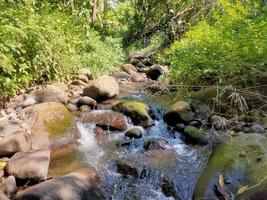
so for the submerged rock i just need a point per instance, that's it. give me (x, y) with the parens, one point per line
(129, 168)
(82, 184)
(240, 162)
(179, 112)
(29, 165)
(103, 88)
(195, 135)
(137, 111)
(156, 143)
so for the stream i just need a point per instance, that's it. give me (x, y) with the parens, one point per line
(169, 173)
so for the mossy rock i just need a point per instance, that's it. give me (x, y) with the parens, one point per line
(52, 125)
(137, 111)
(178, 112)
(196, 135)
(241, 162)
(52, 118)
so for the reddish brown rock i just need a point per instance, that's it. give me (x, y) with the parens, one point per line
(108, 120)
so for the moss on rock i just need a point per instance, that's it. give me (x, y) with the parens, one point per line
(195, 135)
(137, 111)
(243, 161)
(178, 112)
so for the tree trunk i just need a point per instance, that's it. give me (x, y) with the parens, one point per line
(94, 11)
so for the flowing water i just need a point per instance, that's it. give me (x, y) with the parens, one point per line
(160, 174)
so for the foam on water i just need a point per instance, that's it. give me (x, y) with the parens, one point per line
(89, 145)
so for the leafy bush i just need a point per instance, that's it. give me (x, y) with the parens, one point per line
(230, 46)
(47, 44)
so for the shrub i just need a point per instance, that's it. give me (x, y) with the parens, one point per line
(229, 46)
(48, 44)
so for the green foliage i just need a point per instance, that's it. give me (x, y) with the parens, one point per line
(229, 46)
(42, 43)
(169, 18)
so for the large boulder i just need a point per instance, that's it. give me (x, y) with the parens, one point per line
(29, 165)
(19, 141)
(102, 88)
(82, 184)
(178, 112)
(137, 111)
(107, 120)
(236, 166)
(52, 126)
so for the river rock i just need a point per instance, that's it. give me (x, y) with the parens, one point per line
(19, 141)
(102, 88)
(79, 185)
(179, 127)
(135, 132)
(83, 78)
(129, 68)
(157, 143)
(121, 75)
(9, 186)
(138, 77)
(86, 101)
(137, 55)
(156, 71)
(29, 165)
(9, 127)
(129, 168)
(86, 72)
(56, 92)
(178, 112)
(71, 107)
(107, 120)
(195, 135)
(3, 196)
(241, 162)
(85, 108)
(52, 126)
(137, 111)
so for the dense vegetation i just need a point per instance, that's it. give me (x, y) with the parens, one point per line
(42, 42)
(204, 42)
(229, 46)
